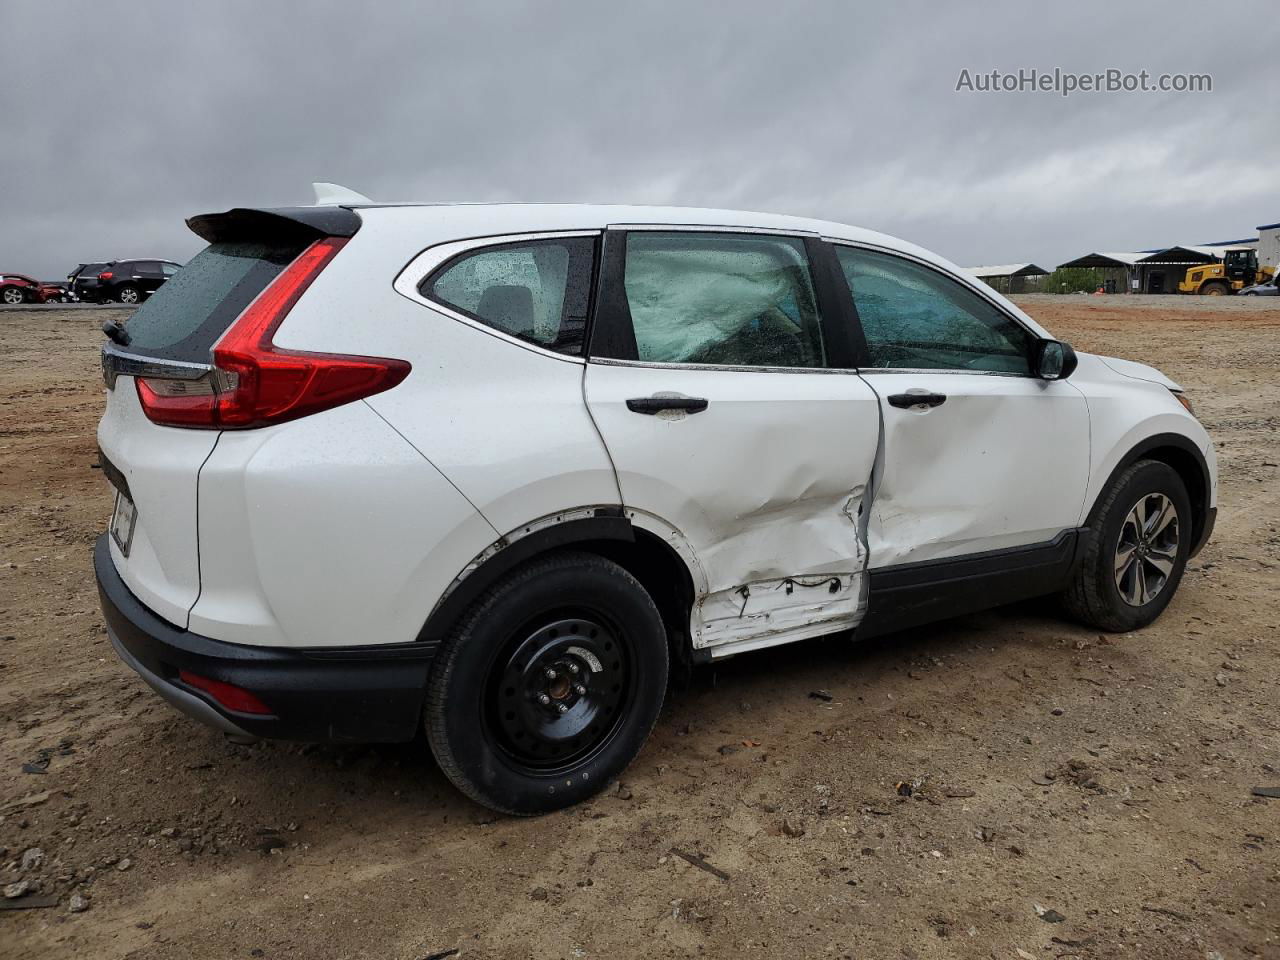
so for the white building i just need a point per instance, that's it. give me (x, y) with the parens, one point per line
(1269, 244)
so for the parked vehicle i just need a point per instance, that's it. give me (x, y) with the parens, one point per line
(17, 288)
(1237, 270)
(1268, 288)
(132, 281)
(495, 470)
(83, 281)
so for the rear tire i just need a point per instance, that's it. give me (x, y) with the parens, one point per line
(12, 296)
(128, 294)
(549, 686)
(1214, 290)
(1135, 551)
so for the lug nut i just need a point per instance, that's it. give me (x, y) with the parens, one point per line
(573, 668)
(543, 699)
(550, 673)
(579, 689)
(561, 708)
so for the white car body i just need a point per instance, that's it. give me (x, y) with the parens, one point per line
(786, 501)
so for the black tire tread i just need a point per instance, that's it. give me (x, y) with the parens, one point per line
(438, 683)
(1083, 596)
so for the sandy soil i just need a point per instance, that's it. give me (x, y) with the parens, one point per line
(1102, 780)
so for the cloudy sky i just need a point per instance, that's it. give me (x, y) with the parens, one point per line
(120, 124)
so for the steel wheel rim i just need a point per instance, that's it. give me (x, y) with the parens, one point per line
(1147, 549)
(559, 691)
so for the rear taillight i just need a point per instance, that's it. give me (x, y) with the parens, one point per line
(227, 695)
(105, 275)
(254, 383)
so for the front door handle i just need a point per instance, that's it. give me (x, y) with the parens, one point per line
(906, 400)
(654, 405)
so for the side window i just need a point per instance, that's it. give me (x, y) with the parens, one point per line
(917, 318)
(147, 267)
(537, 290)
(727, 299)
(169, 269)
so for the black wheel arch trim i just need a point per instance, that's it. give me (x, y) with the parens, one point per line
(1204, 515)
(607, 523)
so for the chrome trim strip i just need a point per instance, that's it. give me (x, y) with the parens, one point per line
(420, 267)
(116, 363)
(656, 365)
(918, 371)
(711, 228)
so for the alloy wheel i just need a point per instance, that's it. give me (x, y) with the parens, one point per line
(12, 296)
(1147, 549)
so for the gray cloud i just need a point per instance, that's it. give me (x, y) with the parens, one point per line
(124, 121)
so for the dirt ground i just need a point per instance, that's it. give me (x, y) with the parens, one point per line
(1080, 795)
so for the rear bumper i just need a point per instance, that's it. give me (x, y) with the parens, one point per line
(353, 694)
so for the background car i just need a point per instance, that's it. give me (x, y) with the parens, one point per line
(132, 281)
(83, 281)
(1270, 288)
(16, 288)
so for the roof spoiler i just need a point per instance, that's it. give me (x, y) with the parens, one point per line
(243, 222)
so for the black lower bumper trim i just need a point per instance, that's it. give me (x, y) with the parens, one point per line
(352, 694)
(1210, 519)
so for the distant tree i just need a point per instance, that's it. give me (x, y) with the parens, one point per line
(1074, 280)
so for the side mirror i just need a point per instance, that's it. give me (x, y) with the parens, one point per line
(1054, 360)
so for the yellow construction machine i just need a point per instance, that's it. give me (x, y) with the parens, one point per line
(1238, 269)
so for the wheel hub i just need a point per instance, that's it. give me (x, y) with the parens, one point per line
(1147, 549)
(560, 691)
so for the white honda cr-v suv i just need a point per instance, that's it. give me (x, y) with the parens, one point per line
(495, 470)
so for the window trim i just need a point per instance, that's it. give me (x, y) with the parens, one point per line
(954, 278)
(428, 261)
(610, 305)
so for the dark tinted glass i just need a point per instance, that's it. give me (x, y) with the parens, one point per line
(186, 316)
(916, 318)
(537, 290)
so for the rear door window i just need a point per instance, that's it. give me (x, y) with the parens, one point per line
(724, 299)
(185, 317)
(535, 290)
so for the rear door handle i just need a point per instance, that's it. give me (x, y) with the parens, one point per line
(653, 405)
(907, 400)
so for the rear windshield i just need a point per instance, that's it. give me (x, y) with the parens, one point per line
(186, 316)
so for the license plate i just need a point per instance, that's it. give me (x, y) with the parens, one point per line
(122, 521)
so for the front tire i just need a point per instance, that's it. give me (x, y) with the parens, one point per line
(1135, 551)
(549, 686)
(1214, 290)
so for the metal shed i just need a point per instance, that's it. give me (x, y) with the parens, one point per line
(1120, 272)
(1009, 277)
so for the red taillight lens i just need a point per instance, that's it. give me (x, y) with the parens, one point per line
(105, 275)
(255, 383)
(228, 695)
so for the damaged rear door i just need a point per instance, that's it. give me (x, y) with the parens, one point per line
(733, 425)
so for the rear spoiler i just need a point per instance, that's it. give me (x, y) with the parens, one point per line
(242, 223)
